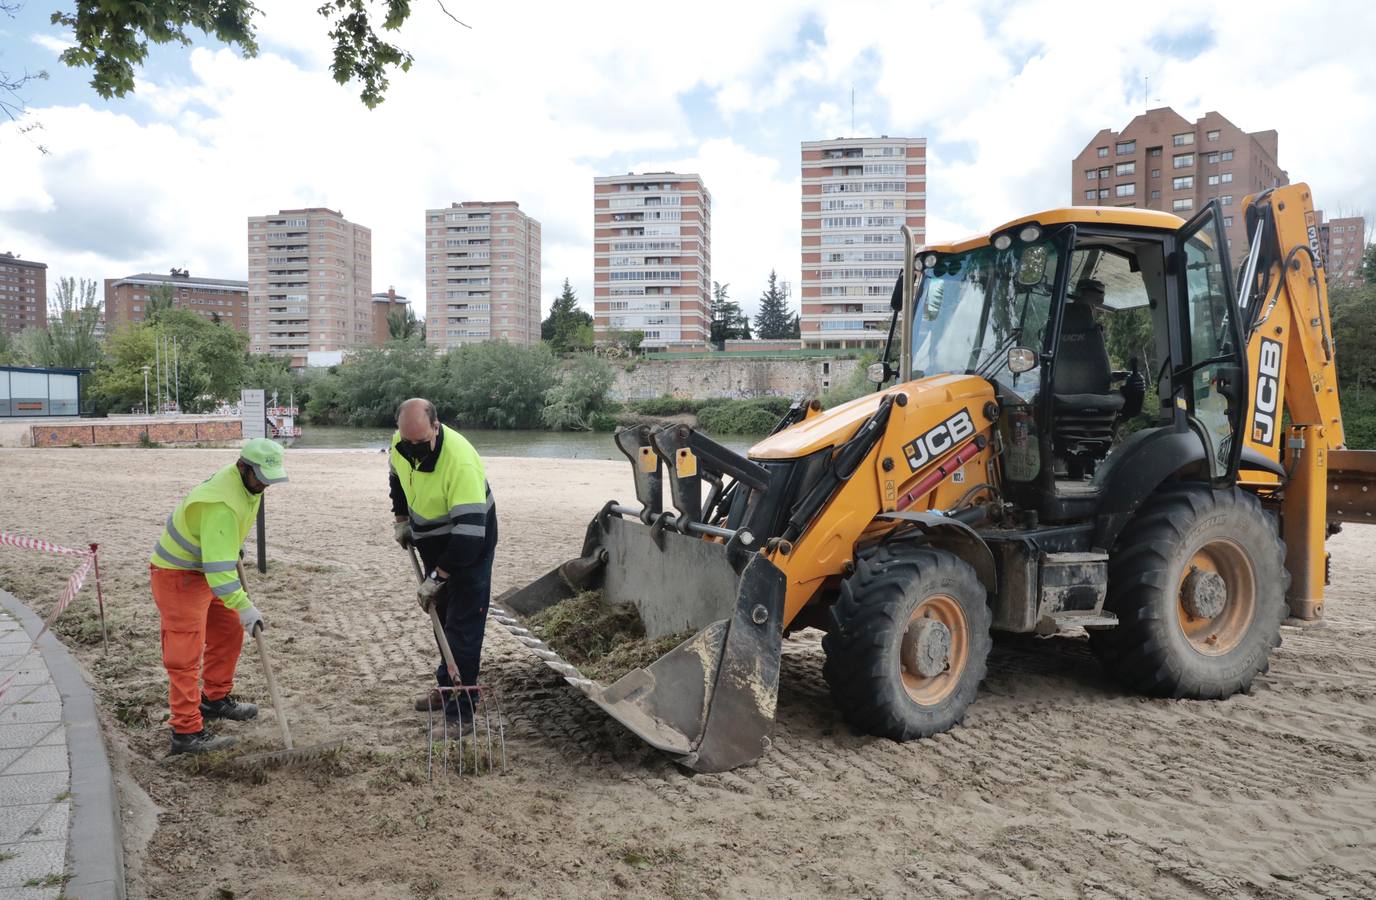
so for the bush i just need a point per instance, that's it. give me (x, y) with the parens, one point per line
(581, 394)
(367, 388)
(664, 406)
(857, 384)
(1359, 420)
(496, 384)
(751, 417)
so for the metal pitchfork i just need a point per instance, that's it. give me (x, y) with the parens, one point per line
(481, 699)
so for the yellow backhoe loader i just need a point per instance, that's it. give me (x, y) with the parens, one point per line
(1002, 476)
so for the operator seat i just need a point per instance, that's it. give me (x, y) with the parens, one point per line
(1085, 403)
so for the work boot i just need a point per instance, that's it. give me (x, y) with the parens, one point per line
(199, 742)
(430, 701)
(451, 727)
(227, 708)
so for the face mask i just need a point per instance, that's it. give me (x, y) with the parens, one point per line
(244, 474)
(413, 450)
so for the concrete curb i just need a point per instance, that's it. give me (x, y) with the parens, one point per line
(95, 837)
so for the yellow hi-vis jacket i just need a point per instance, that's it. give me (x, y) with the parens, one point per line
(206, 531)
(454, 498)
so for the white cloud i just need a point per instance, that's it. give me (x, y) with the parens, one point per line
(48, 42)
(531, 104)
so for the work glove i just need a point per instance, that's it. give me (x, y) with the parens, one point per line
(402, 532)
(426, 593)
(251, 619)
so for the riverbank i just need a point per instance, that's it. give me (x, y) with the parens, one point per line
(1058, 783)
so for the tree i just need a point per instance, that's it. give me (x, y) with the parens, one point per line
(496, 384)
(161, 298)
(1369, 264)
(728, 322)
(370, 384)
(774, 321)
(572, 404)
(403, 325)
(69, 341)
(112, 38)
(563, 327)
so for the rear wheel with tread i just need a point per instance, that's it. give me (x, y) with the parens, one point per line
(910, 644)
(1198, 583)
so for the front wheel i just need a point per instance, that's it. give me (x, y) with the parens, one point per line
(1198, 583)
(910, 644)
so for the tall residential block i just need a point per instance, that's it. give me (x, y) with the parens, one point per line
(1343, 243)
(218, 299)
(857, 195)
(482, 274)
(1162, 160)
(23, 294)
(652, 259)
(310, 283)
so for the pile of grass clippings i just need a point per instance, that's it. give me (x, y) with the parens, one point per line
(604, 641)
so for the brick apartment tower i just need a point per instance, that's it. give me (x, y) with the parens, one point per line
(652, 258)
(1162, 160)
(126, 299)
(857, 194)
(23, 294)
(1343, 243)
(482, 281)
(310, 283)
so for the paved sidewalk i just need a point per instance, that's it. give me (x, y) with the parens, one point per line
(59, 822)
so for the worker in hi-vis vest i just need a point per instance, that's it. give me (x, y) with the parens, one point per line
(204, 609)
(443, 506)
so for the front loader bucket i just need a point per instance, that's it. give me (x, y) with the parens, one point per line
(710, 701)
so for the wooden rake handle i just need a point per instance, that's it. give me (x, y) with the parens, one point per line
(278, 709)
(435, 623)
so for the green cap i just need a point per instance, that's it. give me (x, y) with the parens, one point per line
(266, 458)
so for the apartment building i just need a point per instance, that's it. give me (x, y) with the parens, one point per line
(222, 300)
(1162, 160)
(482, 274)
(23, 294)
(857, 194)
(652, 259)
(310, 274)
(1343, 244)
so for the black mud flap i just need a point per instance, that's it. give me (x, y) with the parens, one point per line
(711, 700)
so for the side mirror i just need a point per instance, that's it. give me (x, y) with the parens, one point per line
(879, 372)
(1021, 359)
(1032, 265)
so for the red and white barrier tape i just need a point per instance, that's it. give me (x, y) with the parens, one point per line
(74, 583)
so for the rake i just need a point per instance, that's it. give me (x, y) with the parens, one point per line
(476, 753)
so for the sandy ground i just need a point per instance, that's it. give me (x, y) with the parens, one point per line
(1058, 784)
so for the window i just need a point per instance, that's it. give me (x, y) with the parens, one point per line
(1124, 190)
(1226, 178)
(1226, 199)
(1226, 155)
(1154, 151)
(1091, 174)
(1103, 173)
(1155, 173)
(1183, 183)
(1103, 151)
(1183, 140)
(1103, 193)
(1127, 168)
(1211, 158)
(1212, 180)
(1212, 135)
(1156, 195)
(1091, 194)
(1125, 148)
(1227, 221)
(1183, 204)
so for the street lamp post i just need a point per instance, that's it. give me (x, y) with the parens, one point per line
(145, 390)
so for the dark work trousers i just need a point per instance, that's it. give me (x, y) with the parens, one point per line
(462, 607)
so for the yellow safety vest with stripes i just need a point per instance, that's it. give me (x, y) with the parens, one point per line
(453, 499)
(206, 531)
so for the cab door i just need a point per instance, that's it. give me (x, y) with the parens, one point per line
(1209, 383)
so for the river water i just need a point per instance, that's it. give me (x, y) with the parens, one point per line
(547, 444)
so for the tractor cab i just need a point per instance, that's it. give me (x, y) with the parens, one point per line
(1111, 339)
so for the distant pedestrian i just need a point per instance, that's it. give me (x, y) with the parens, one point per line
(203, 606)
(443, 505)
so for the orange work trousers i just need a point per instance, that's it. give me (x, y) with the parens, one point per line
(196, 626)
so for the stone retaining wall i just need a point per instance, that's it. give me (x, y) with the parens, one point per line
(213, 431)
(702, 379)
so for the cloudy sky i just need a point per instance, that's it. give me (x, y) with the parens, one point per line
(538, 98)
